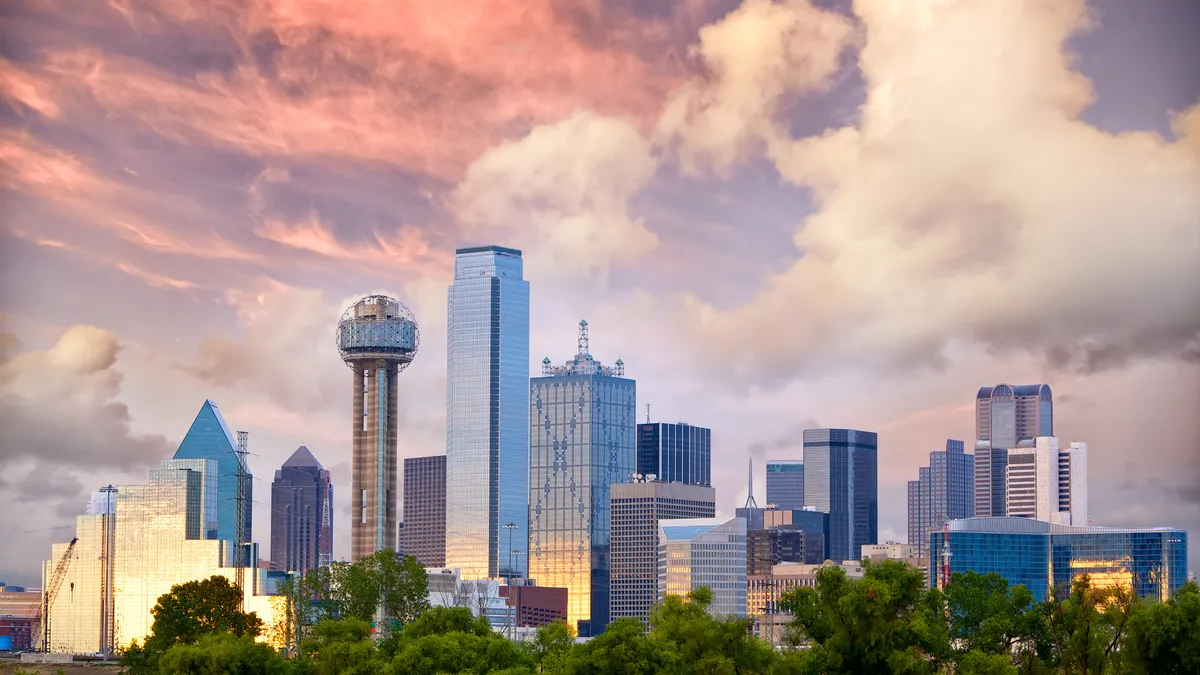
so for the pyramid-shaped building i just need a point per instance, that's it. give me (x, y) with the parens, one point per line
(209, 438)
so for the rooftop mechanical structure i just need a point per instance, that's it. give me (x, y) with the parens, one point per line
(377, 337)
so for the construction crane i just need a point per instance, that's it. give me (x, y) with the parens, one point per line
(51, 591)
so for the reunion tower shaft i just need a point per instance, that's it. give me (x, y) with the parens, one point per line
(377, 337)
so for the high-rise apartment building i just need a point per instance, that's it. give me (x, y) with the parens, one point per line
(424, 533)
(785, 483)
(377, 337)
(675, 453)
(487, 414)
(1006, 417)
(209, 438)
(841, 479)
(301, 514)
(582, 425)
(695, 552)
(636, 509)
(943, 491)
(1048, 483)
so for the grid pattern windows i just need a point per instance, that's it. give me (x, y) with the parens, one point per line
(785, 483)
(424, 532)
(841, 479)
(943, 491)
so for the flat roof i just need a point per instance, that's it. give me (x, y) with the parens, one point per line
(488, 249)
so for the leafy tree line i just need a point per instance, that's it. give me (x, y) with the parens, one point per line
(886, 622)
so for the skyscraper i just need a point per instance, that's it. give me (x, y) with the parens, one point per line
(209, 438)
(943, 491)
(487, 413)
(424, 533)
(637, 509)
(1048, 483)
(841, 479)
(1006, 417)
(695, 552)
(377, 337)
(301, 514)
(581, 442)
(785, 483)
(675, 453)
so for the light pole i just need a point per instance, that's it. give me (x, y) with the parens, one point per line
(512, 600)
(510, 527)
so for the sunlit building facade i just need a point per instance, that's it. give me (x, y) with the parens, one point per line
(841, 478)
(209, 438)
(695, 552)
(1044, 556)
(487, 413)
(1006, 417)
(944, 490)
(582, 425)
(1048, 483)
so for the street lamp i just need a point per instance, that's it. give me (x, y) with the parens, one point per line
(512, 599)
(510, 527)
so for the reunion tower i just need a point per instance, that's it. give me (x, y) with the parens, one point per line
(377, 337)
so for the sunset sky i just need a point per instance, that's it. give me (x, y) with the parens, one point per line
(779, 215)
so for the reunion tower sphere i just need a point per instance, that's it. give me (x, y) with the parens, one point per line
(378, 327)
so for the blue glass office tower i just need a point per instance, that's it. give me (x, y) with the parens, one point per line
(841, 479)
(675, 453)
(209, 438)
(581, 442)
(785, 483)
(944, 490)
(1040, 555)
(1006, 417)
(487, 414)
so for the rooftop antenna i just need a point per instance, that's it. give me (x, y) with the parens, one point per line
(647, 413)
(240, 539)
(750, 503)
(583, 337)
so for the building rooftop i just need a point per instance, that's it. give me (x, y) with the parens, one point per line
(1010, 525)
(488, 249)
(302, 457)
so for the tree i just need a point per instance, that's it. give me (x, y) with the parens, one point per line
(624, 648)
(1164, 638)
(198, 608)
(707, 644)
(396, 583)
(991, 617)
(459, 652)
(551, 644)
(341, 647)
(222, 653)
(1086, 628)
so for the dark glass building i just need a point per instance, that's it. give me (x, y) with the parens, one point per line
(675, 453)
(785, 483)
(944, 490)
(1006, 417)
(301, 514)
(841, 479)
(1041, 555)
(424, 533)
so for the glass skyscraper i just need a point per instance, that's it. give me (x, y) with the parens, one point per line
(1006, 417)
(487, 414)
(424, 533)
(1040, 555)
(675, 453)
(301, 514)
(582, 424)
(944, 490)
(695, 552)
(841, 479)
(209, 438)
(785, 483)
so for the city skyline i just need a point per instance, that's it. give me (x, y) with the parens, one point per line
(185, 217)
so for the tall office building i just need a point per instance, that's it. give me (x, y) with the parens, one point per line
(1048, 483)
(581, 442)
(424, 533)
(785, 483)
(636, 509)
(377, 337)
(695, 552)
(675, 453)
(944, 490)
(841, 479)
(487, 414)
(209, 438)
(301, 514)
(1006, 417)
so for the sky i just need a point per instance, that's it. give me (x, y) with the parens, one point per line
(779, 215)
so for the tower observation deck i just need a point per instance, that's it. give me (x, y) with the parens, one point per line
(377, 337)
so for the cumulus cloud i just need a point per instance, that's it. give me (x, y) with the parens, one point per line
(969, 201)
(60, 405)
(760, 52)
(563, 190)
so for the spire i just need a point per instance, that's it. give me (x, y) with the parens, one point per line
(583, 337)
(750, 503)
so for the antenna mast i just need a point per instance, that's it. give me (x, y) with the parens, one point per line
(750, 503)
(583, 337)
(647, 413)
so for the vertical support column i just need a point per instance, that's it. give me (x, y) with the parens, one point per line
(358, 467)
(391, 467)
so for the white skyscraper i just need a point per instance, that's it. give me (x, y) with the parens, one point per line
(695, 552)
(1047, 483)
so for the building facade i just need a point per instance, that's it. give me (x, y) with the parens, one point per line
(841, 479)
(581, 442)
(944, 490)
(1044, 556)
(695, 552)
(532, 605)
(301, 514)
(785, 483)
(1006, 417)
(209, 438)
(675, 453)
(487, 413)
(20, 618)
(424, 532)
(1048, 483)
(635, 511)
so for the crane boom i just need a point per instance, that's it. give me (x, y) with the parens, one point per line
(51, 591)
